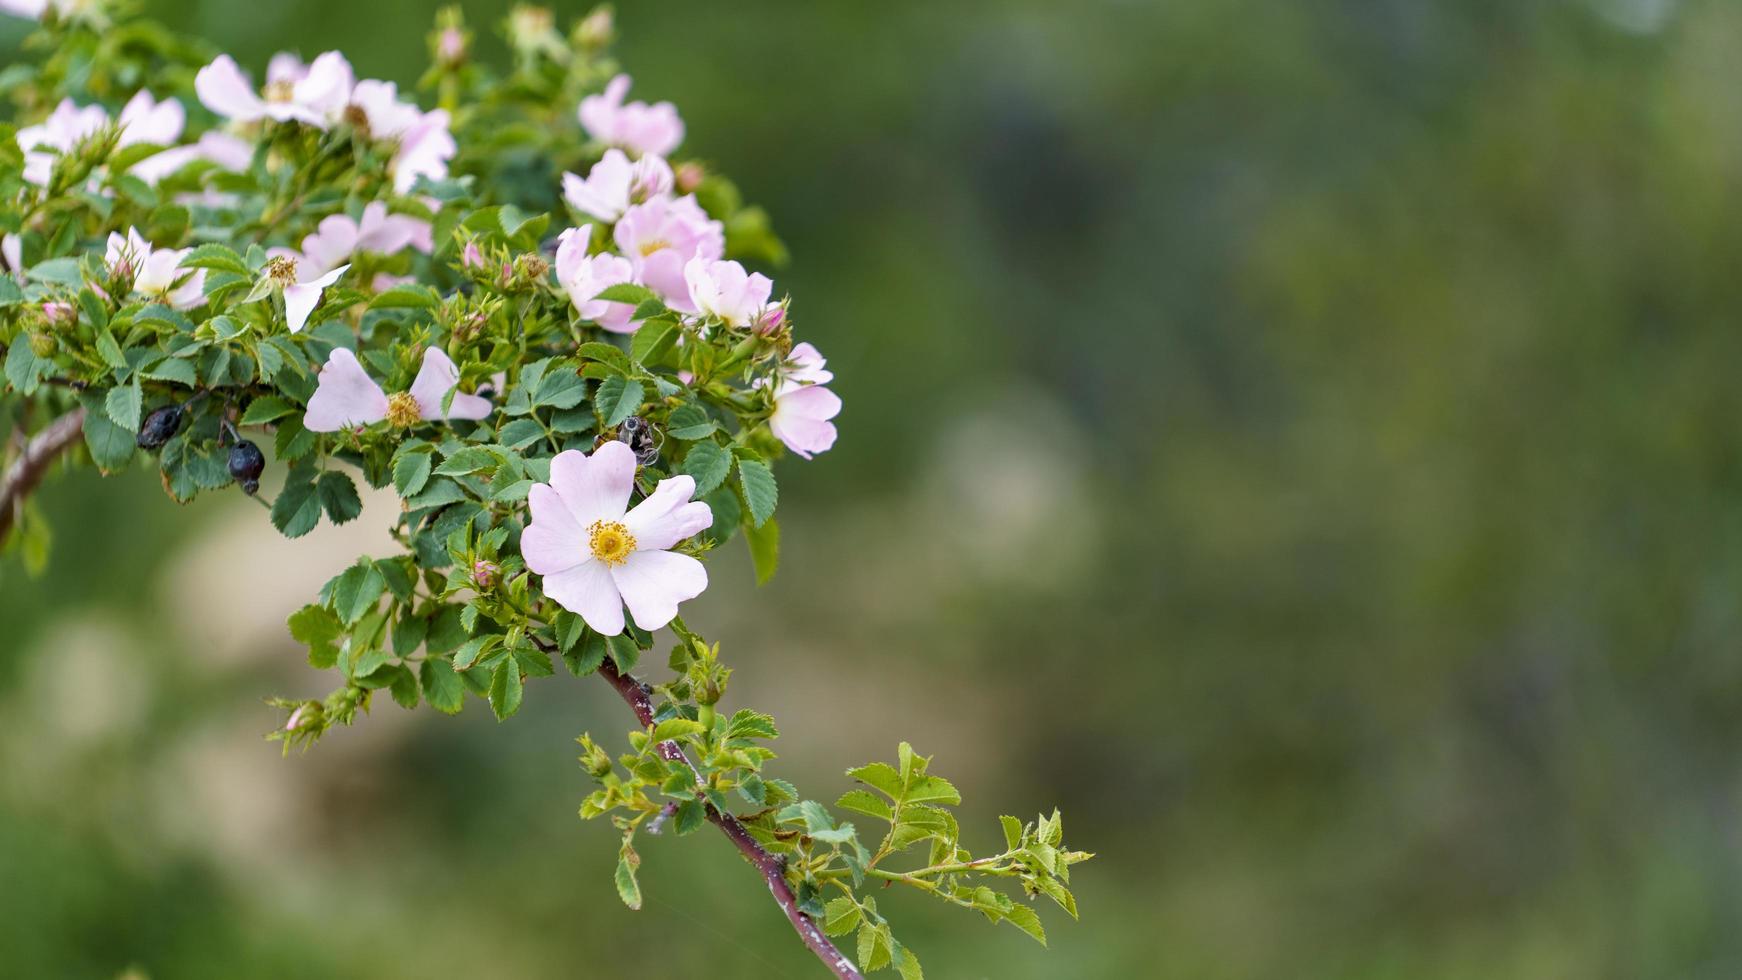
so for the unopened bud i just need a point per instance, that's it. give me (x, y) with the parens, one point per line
(451, 45)
(689, 176)
(596, 30)
(484, 573)
(42, 345)
(59, 314)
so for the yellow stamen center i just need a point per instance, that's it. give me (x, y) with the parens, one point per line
(282, 270)
(402, 410)
(648, 248)
(610, 542)
(279, 91)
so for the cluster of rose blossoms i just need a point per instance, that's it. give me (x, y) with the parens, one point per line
(595, 554)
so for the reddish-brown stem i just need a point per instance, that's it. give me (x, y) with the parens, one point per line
(28, 469)
(772, 867)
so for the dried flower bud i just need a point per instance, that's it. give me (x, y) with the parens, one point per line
(160, 426)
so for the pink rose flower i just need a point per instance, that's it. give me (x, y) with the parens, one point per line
(615, 182)
(660, 236)
(346, 396)
(597, 555)
(315, 95)
(724, 290)
(585, 276)
(803, 408)
(637, 127)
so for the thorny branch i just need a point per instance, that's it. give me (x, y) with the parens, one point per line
(28, 469)
(773, 869)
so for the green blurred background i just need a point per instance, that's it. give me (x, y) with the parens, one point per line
(1300, 438)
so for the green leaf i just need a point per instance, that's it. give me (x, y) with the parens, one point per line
(215, 257)
(172, 369)
(760, 492)
(357, 590)
(441, 686)
(746, 723)
(907, 963)
(860, 801)
(561, 389)
(617, 399)
(627, 888)
(411, 472)
(873, 947)
(1024, 918)
(650, 343)
(841, 916)
(111, 445)
(764, 549)
(110, 351)
(469, 651)
(297, 509)
(627, 292)
(708, 464)
(690, 422)
(676, 728)
(317, 628)
(338, 496)
(880, 776)
(1012, 832)
(690, 816)
(268, 408)
(587, 655)
(407, 296)
(471, 459)
(403, 687)
(123, 405)
(932, 789)
(505, 692)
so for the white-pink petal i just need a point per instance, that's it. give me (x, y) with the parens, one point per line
(652, 583)
(435, 378)
(589, 591)
(224, 89)
(345, 395)
(553, 541)
(596, 487)
(801, 419)
(668, 515)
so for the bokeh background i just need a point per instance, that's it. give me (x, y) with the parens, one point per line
(1300, 438)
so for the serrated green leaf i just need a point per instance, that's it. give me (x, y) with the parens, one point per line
(764, 544)
(650, 343)
(172, 369)
(675, 728)
(1024, 918)
(406, 296)
(441, 686)
(338, 497)
(297, 509)
(841, 916)
(617, 399)
(1012, 831)
(123, 405)
(708, 464)
(268, 408)
(760, 492)
(111, 445)
(357, 590)
(628, 889)
(411, 472)
(860, 801)
(505, 689)
(627, 292)
(690, 422)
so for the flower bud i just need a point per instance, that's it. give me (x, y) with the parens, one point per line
(530, 269)
(484, 574)
(471, 257)
(42, 345)
(246, 464)
(160, 426)
(596, 30)
(59, 314)
(451, 47)
(689, 176)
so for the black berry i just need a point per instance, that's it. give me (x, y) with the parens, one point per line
(246, 465)
(158, 427)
